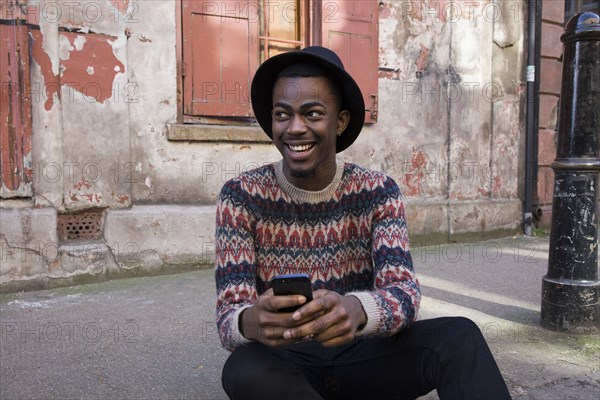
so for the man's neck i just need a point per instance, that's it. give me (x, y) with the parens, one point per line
(314, 181)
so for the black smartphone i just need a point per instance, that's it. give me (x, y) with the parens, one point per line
(292, 284)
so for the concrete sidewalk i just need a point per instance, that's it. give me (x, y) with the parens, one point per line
(155, 337)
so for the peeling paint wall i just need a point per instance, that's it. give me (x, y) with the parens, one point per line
(451, 123)
(80, 108)
(450, 104)
(449, 83)
(450, 128)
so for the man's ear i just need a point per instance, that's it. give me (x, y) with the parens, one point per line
(342, 122)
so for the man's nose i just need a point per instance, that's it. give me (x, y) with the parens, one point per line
(296, 125)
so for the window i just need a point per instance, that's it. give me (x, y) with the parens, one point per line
(224, 41)
(573, 7)
(281, 27)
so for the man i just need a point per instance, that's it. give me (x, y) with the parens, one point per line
(344, 226)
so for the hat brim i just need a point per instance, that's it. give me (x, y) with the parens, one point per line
(261, 93)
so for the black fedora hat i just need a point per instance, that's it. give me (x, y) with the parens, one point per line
(261, 91)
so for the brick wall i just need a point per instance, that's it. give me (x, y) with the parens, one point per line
(550, 81)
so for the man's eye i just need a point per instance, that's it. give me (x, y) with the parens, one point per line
(279, 114)
(314, 114)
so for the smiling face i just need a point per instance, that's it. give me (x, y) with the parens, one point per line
(306, 121)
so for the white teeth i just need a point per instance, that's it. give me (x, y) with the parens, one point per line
(301, 148)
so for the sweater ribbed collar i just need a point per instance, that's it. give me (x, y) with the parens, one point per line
(307, 196)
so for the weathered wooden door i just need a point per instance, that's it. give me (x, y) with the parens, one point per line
(15, 108)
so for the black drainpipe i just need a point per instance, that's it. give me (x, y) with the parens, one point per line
(532, 122)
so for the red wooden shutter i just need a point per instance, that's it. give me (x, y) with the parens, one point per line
(15, 112)
(220, 55)
(351, 29)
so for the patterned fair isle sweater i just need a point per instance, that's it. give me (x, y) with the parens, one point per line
(349, 237)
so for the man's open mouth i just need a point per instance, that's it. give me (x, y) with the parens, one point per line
(301, 148)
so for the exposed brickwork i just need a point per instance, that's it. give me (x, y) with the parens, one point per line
(551, 73)
(548, 111)
(551, 44)
(553, 11)
(547, 146)
(545, 187)
(550, 85)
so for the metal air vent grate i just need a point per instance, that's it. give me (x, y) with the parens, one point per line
(83, 225)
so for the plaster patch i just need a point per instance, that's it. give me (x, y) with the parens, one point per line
(90, 70)
(79, 42)
(121, 5)
(46, 33)
(47, 67)
(64, 48)
(119, 43)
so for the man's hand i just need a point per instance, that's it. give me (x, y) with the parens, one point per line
(331, 318)
(262, 322)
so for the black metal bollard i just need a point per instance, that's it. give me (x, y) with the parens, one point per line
(571, 289)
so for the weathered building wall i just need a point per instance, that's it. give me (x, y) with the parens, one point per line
(180, 172)
(450, 127)
(449, 131)
(80, 109)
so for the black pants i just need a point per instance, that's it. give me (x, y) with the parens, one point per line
(447, 354)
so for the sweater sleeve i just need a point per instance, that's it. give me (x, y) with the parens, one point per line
(394, 301)
(235, 266)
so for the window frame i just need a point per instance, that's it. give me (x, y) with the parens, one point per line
(210, 129)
